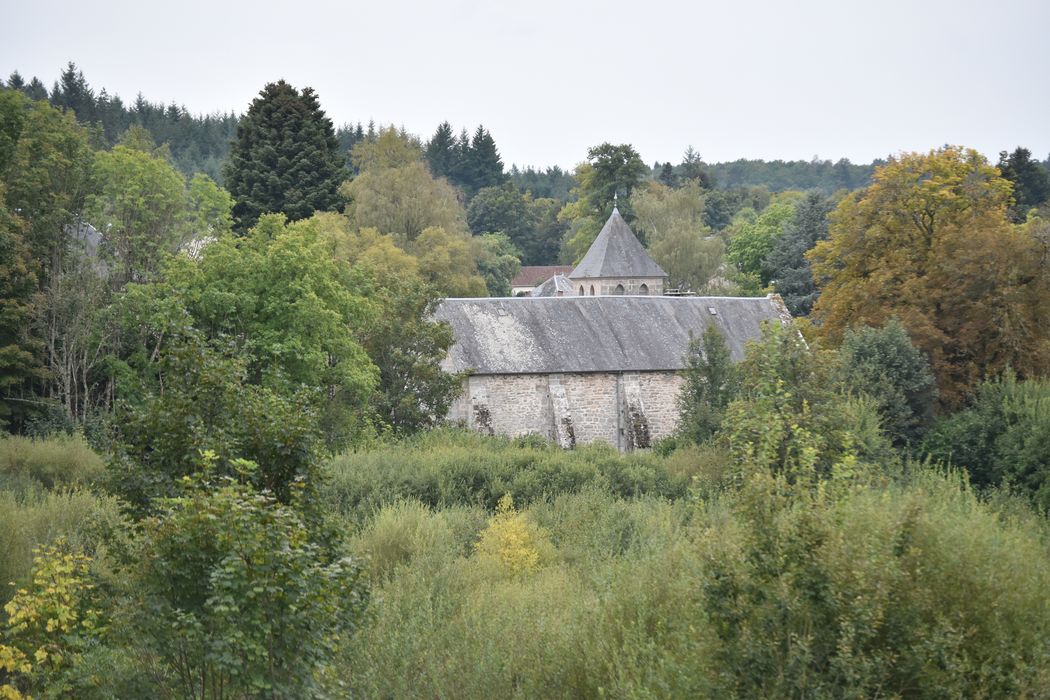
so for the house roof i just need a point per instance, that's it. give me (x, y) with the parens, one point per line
(616, 253)
(531, 275)
(550, 288)
(542, 335)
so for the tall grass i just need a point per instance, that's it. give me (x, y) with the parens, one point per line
(914, 589)
(53, 461)
(449, 467)
(38, 517)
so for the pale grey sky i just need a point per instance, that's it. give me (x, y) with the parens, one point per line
(743, 79)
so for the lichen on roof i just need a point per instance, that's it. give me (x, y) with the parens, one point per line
(542, 335)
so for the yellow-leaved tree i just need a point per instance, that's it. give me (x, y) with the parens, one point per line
(513, 540)
(929, 243)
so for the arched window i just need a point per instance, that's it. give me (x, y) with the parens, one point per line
(619, 289)
(644, 289)
(581, 290)
(592, 290)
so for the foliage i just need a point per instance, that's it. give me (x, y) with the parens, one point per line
(446, 468)
(390, 148)
(883, 364)
(403, 201)
(31, 517)
(235, 600)
(468, 163)
(882, 590)
(549, 183)
(754, 237)
(20, 362)
(447, 261)
(787, 263)
(199, 402)
(513, 541)
(711, 382)
(285, 159)
(1002, 438)
(141, 206)
(413, 393)
(780, 176)
(1031, 181)
(278, 300)
(916, 587)
(196, 143)
(792, 418)
(929, 243)
(679, 240)
(498, 262)
(49, 623)
(58, 460)
(501, 210)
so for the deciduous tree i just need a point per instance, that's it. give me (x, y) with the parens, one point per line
(928, 242)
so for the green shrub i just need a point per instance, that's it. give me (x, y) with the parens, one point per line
(58, 460)
(234, 600)
(911, 588)
(1003, 438)
(39, 518)
(454, 467)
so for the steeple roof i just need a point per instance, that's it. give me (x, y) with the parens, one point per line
(616, 253)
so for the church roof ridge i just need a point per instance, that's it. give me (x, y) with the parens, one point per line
(616, 252)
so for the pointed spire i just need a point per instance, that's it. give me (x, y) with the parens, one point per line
(616, 253)
(616, 196)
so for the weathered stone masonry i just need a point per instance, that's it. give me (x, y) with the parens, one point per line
(630, 410)
(579, 369)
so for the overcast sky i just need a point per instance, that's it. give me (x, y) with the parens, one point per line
(735, 79)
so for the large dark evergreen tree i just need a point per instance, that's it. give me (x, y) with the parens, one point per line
(787, 262)
(286, 158)
(441, 151)
(485, 168)
(1030, 179)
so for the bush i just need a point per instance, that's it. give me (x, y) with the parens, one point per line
(1003, 438)
(40, 518)
(233, 598)
(59, 460)
(914, 588)
(455, 467)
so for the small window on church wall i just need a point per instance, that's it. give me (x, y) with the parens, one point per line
(581, 290)
(592, 290)
(644, 289)
(619, 289)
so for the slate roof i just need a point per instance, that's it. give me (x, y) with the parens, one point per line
(531, 275)
(616, 253)
(550, 288)
(542, 335)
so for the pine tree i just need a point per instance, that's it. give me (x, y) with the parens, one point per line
(485, 168)
(15, 82)
(36, 90)
(285, 159)
(1031, 181)
(441, 151)
(667, 175)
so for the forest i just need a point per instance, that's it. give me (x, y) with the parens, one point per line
(225, 470)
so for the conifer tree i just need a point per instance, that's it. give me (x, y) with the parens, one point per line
(441, 151)
(485, 168)
(285, 159)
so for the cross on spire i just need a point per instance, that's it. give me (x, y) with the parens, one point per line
(616, 196)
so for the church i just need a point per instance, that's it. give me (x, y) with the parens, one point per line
(595, 355)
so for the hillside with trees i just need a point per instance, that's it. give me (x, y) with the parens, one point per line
(225, 470)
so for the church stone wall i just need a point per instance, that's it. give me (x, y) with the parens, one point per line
(629, 410)
(606, 286)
